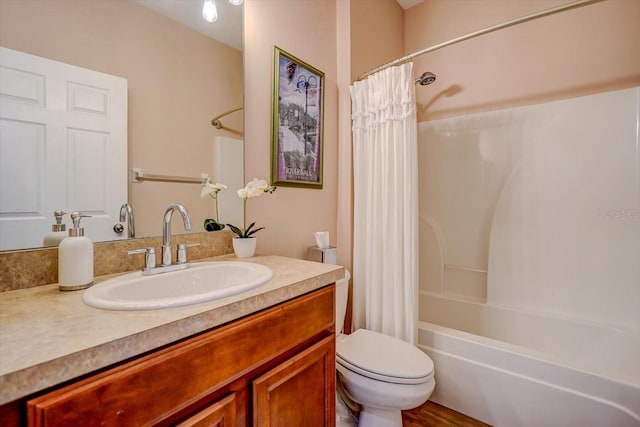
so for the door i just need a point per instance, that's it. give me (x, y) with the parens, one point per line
(299, 392)
(63, 146)
(220, 414)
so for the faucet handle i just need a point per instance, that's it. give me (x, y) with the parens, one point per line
(149, 257)
(182, 252)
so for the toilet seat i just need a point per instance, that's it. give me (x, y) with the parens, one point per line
(384, 358)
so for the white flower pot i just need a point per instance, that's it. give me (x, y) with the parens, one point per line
(244, 248)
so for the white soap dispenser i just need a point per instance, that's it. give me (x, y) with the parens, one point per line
(75, 258)
(58, 231)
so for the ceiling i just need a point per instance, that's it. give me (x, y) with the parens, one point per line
(406, 4)
(227, 29)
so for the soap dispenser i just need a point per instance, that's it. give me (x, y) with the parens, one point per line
(58, 231)
(75, 258)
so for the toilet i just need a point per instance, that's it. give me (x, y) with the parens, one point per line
(383, 374)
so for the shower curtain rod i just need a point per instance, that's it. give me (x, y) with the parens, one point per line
(215, 122)
(487, 30)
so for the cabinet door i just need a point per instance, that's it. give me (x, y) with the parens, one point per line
(220, 414)
(299, 392)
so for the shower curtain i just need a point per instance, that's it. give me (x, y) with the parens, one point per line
(385, 252)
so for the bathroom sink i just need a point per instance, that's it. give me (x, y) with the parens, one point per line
(203, 281)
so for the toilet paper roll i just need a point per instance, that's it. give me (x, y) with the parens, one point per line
(322, 239)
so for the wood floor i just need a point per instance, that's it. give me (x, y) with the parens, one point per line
(433, 415)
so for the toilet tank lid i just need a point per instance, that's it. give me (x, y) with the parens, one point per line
(384, 355)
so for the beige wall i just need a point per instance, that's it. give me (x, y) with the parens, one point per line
(178, 80)
(582, 50)
(307, 30)
(573, 53)
(376, 34)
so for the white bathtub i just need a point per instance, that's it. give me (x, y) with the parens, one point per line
(512, 368)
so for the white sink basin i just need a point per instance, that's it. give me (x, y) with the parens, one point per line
(203, 281)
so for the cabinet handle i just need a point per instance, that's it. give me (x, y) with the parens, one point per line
(149, 257)
(182, 252)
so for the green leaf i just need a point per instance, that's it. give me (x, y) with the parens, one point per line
(236, 230)
(211, 224)
(253, 232)
(246, 232)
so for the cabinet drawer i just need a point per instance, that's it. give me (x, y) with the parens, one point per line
(152, 387)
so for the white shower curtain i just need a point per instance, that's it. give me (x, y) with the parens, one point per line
(385, 244)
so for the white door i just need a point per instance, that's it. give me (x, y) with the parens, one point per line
(63, 146)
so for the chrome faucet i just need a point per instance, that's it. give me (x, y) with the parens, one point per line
(126, 211)
(166, 231)
(150, 267)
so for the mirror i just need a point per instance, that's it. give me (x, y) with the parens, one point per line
(178, 80)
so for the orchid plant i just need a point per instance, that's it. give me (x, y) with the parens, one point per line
(256, 187)
(212, 190)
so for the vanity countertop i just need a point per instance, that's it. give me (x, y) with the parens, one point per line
(48, 336)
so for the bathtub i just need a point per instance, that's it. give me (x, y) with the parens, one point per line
(513, 368)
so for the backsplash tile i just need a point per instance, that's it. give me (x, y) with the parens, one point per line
(23, 269)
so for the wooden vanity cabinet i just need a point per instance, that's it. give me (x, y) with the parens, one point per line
(272, 368)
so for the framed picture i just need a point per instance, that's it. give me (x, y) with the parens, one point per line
(298, 120)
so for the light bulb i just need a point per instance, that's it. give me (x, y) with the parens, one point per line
(209, 11)
(236, 2)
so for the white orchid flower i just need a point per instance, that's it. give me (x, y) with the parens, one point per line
(209, 189)
(243, 193)
(260, 186)
(254, 188)
(212, 190)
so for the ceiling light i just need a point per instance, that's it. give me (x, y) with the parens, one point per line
(209, 11)
(236, 2)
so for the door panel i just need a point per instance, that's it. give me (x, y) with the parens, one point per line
(299, 392)
(63, 146)
(220, 414)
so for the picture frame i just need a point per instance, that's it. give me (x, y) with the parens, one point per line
(297, 123)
